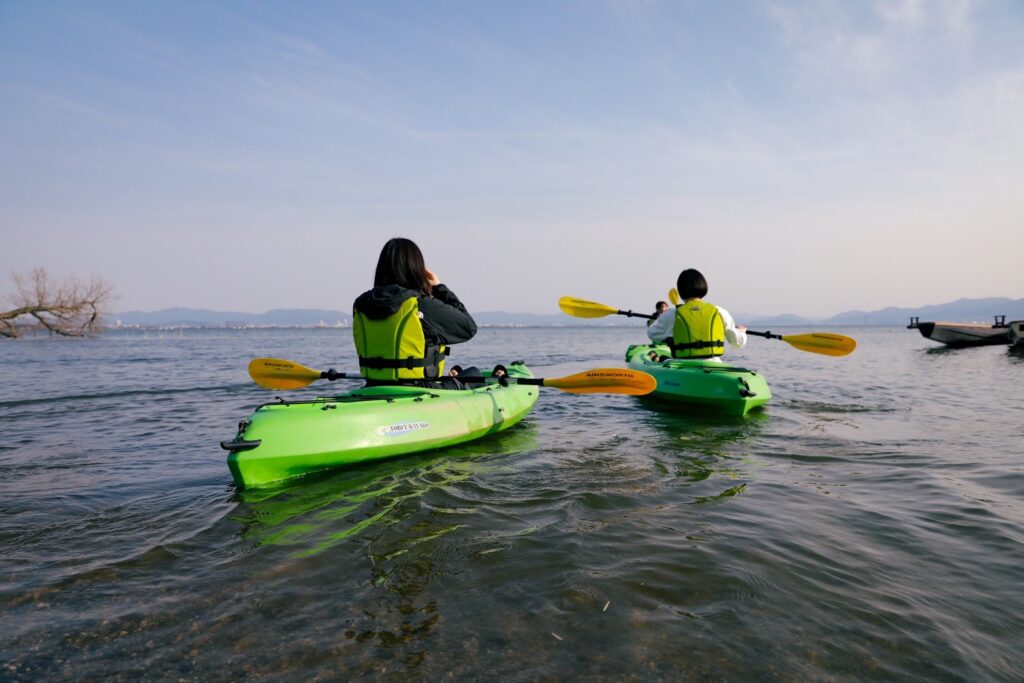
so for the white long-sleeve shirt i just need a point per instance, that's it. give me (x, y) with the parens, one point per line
(661, 329)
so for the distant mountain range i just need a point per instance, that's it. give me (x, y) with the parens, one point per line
(961, 310)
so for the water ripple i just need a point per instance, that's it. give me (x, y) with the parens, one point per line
(866, 526)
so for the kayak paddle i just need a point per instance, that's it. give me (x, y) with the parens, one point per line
(825, 343)
(582, 308)
(277, 373)
(596, 381)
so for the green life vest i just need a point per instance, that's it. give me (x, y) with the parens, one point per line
(698, 331)
(395, 347)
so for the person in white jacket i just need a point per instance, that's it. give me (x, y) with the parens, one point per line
(695, 329)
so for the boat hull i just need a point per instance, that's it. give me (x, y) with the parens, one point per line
(709, 385)
(282, 441)
(964, 334)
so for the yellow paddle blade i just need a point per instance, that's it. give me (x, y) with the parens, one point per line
(673, 296)
(277, 373)
(581, 308)
(825, 343)
(605, 381)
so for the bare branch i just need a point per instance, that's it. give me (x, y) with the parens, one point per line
(71, 308)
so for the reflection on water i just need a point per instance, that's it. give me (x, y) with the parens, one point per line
(698, 446)
(317, 512)
(948, 350)
(866, 525)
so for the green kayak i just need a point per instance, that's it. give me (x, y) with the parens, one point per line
(289, 439)
(708, 384)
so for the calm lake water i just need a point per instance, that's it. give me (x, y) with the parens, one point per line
(867, 525)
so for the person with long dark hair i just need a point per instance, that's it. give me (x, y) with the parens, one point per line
(403, 327)
(696, 329)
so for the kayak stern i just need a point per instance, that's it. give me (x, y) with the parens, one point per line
(288, 439)
(709, 385)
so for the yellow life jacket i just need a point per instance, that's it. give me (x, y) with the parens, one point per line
(395, 348)
(698, 331)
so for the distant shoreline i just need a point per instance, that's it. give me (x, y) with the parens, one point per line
(33, 331)
(256, 328)
(981, 311)
(962, 310)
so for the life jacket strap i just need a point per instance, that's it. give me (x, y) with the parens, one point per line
(388, 363)
(699, 345)
(433, 357)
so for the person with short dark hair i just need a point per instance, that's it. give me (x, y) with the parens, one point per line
(403, 326)
(659, 308)
(696, 329)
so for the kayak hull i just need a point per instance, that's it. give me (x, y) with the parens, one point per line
(706, 384)
(285, 440)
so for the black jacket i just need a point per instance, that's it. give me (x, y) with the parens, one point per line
(445, 320)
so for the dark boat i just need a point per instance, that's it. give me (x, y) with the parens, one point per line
(963, 334)
(1016, 331)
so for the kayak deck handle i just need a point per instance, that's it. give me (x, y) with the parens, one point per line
(240, 444)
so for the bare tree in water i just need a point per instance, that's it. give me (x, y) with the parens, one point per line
(72, 308)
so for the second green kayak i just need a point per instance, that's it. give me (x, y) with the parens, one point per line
(707, 384)
(288, 439)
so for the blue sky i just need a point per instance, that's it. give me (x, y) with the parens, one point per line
(807, 157)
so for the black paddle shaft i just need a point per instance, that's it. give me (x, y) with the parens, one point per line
(331, 375)
(767, 335)
(631, 314)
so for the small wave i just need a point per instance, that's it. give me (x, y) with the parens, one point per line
(727, 493)
(823, 407)
(123, 394)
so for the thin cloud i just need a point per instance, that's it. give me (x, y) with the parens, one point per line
(837, 45)
(131, 42)
(63, 103)
(953, 18)
(293, 50)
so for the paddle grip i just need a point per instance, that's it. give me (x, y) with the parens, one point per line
(331, 374)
